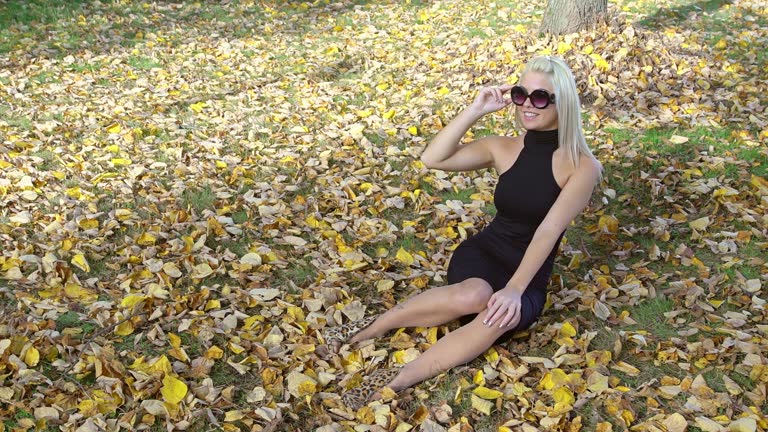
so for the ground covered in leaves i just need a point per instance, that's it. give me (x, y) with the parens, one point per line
(192, 191)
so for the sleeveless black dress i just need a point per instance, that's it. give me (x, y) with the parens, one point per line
(524, 194)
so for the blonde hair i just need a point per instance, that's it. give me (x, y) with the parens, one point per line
(570, 132)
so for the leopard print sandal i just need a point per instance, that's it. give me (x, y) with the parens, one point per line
(336, 336)
(358, 397)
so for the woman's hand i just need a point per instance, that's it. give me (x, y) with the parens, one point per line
(491, 99)
(504, 308)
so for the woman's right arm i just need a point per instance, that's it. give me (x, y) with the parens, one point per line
(445, 151)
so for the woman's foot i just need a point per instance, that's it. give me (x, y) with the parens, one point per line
(336, 336)
(370, 387)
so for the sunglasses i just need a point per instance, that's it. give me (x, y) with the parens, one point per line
(539, 98)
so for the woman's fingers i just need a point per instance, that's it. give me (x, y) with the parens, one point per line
(489, 314)
(512, 312)
(498, 313)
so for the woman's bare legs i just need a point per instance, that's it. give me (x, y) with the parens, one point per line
(456, 348)
(433, 307)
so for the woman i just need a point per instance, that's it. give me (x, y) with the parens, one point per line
(497, 278)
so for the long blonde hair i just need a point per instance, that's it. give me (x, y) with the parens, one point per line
(570, 132)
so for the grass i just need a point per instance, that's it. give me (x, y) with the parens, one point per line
(198, 198)
(650, 317)
(16, 12)
(300, 273)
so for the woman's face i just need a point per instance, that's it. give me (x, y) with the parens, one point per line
(533, 118)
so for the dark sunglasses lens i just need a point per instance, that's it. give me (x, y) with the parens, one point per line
(539, 99)
(518, 95)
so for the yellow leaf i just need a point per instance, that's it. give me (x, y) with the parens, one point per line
(114, 128)
(389, 114)
(201, 271)
(486, 393)
(146, 239)
(404, 257)
(174, 340)
(76, 291)
(608, 224)
(120, 162)
(214, 352)
(87, 407)
(554, 378)
(604, 427)
(564, 396)
(80, 262)
(675, 423)
(162, 364)
(171, 270)
(708, 425)
(699, 224)
(567, 330)
(743, 425)
(626, 368)
(482, 405)
(197, 107)
(413, 130)
(32, 357)
(125, 328)
(432, 335)
(491, 356)
(173, 390)
(87, 224)
(234, 415)
(479, 378)
(131, 300)
(123, 214)
(677, 139)
(721, 44)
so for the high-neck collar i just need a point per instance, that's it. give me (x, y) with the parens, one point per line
(541, 141)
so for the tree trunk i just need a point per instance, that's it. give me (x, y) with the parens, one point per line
(570, 16)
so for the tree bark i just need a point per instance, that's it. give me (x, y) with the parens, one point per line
(570, 16)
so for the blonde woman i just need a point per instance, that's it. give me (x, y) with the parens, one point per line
(497, 278)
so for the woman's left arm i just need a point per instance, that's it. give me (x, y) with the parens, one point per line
(504, 305)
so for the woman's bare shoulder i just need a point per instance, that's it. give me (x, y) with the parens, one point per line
(503, 143)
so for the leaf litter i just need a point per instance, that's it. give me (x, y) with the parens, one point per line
(161, 185)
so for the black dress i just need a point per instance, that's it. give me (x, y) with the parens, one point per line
(524, 194)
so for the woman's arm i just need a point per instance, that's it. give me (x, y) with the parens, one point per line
(446, 153)
(572, 200)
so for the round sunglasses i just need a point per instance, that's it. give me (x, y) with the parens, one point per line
(539, 98)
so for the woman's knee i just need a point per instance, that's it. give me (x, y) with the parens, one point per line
(473, 295)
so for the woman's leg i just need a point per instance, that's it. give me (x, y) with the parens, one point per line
(433, 307)
(456, 348)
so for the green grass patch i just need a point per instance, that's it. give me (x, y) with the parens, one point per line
(757, 158)
(300, 272)
(660, 17)
(67, 320)
(240, 217)
(26, 12)
(649, 316)
(48, 162)
(648, 372)
(135, 345)
(410, 242)
(463, 195)
(143, 63)
(198, 198)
